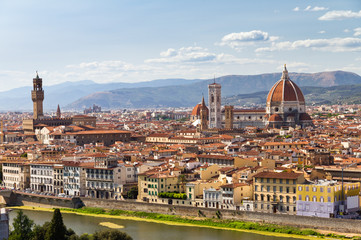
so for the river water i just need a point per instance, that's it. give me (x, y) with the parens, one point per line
(140, 230)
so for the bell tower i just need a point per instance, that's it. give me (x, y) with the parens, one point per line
(214, 98)
(37, 95)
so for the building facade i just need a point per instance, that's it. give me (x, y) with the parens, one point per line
(276, 192)
(327, 198)
(16, 175)
(42, 177)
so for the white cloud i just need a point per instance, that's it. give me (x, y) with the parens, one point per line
(322, 32)
(315, 9)
(184, 54)
(339, 15)
(332, 45)
(238, 40)
(296, 9)
(346, 30)
(357, 32)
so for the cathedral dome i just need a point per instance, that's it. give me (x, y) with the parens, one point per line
(285, 90)
(197, 110)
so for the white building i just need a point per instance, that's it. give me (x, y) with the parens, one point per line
(74, 179)
(16, 175)
(41, 177)
(212, 198)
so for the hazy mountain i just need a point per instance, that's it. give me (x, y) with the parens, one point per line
(68, 92)
(190, 94)
(344, 94)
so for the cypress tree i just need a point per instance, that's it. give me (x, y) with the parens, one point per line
(22, 227)
(57, 229)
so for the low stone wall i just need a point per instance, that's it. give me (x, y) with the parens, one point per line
(44, 201)
(340, 225)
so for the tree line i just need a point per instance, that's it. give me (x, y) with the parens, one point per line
(25, 229)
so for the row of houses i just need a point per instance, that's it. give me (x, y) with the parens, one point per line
(100, 177)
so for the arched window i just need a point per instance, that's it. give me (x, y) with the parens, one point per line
(212, 98)
(307, 198)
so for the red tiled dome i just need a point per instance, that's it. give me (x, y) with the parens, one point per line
(275, 118)
(285, 90)
(197, 110)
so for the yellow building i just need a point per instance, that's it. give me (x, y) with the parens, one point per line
(150, 184)
(275, 192)
(326, 199)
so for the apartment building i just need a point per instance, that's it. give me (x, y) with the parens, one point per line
(42, 177)
(327, 198)
(16, 175)
(275, 192)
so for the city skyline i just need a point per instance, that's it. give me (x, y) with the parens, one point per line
(130, 41)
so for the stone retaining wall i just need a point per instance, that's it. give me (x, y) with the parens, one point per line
(340, 225)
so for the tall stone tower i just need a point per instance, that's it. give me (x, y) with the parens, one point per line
(228, 115)
(203, 116)
(58, 112)
(214, 98)
(37, 95)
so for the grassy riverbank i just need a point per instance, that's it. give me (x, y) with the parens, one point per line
(260, 228)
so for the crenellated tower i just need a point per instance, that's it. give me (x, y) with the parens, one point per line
(37, 95)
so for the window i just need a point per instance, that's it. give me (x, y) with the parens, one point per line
(307, 189)
(281, 189)
(287, 181)
(268, 188)
(314, 189)
(267, 180)
(300, 197)
(299, 188)
(274, 188)
(274, 180)
(281, 181)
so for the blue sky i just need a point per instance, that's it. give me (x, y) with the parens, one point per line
(132, 41)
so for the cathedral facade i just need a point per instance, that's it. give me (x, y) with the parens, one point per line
(285, 107)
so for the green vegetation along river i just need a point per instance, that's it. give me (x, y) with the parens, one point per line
(140, 230)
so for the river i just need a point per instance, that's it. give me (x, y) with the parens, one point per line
(140, 230)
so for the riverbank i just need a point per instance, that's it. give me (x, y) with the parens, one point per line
(258, 228)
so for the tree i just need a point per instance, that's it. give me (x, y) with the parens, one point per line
(57, 229)
(133, 193)
(39, 231)
(22, 227)
(111, 234)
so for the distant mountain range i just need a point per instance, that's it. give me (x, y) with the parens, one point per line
(191, 94)
(345, 94)
(19, 99)
(236, 89)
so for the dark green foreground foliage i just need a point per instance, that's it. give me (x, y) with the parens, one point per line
(24, 229)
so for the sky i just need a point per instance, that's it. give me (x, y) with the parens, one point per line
(133, 41)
